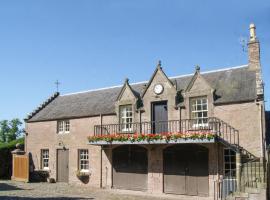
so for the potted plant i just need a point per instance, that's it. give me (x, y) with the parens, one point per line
(83, 176)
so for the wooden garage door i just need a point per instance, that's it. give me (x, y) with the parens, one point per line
(130, 167)
(186, 170)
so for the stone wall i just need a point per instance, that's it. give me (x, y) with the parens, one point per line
(246, 118)
(43, 135)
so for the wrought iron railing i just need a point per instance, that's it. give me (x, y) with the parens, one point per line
(226, 133)
(224, 187)
(253, 173)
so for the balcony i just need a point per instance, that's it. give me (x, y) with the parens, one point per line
(165, 132)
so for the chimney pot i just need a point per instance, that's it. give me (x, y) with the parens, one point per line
(252, 31)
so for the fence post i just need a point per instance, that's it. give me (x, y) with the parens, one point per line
(238, 170)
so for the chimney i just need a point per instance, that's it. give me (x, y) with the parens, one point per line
(254, 60)
(253, 49)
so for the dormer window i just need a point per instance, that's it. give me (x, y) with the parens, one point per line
(63, 126)
(126, 118)
(199, 111)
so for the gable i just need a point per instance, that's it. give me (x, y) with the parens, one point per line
(126, 94)
(159, 77)
(198, 85)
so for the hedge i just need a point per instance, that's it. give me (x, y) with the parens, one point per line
(6, 157)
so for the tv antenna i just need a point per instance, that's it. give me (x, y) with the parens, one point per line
(243, 41)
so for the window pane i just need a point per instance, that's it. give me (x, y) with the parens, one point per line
(83, 162)
(67, 126)
(126, 117)
(230, 164)
(199, 110)
(45, 158)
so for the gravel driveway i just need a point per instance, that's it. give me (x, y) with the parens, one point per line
(45, 191)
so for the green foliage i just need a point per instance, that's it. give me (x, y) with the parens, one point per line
(6, 157)
(10, 130)
(11, 144)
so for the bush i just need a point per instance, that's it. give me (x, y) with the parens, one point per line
(6, 157)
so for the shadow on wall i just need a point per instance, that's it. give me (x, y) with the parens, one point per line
(44, 198)
(267, 120)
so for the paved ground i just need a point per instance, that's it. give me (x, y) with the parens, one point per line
(10, 190)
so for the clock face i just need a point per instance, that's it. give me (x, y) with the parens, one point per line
(158, 89)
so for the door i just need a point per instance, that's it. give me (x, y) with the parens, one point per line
(186, 170)
(160, 117)
(130, 167)
(62, 165)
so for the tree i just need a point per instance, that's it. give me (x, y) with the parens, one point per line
(10, 130)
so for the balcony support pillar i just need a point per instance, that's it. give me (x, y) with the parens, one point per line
(238, 170)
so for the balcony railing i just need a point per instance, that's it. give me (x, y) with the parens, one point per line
(212, 125)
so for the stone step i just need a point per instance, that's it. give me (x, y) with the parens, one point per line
(238, 195)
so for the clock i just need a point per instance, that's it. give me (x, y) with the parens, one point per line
(158, 89)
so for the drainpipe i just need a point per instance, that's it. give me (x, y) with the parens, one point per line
(101, 154)
(261, 130)
(140, 120)
(180, 119)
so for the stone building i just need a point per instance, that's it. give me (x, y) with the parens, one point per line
(192, 135)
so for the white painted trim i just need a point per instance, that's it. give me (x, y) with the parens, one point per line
(141, 82)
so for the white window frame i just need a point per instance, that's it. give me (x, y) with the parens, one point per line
(83, 160)
(63, 126)
(195, 103)
(126, 117)
(45, 157)
(67, 126)
(229, 160)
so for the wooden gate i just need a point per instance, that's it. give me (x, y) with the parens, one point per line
(20, 168)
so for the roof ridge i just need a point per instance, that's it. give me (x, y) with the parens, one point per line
(141, 82)
(211, 71)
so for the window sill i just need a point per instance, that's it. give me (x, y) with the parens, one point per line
(63, 133)
(84, 171)
(206, 125)
(45, 169)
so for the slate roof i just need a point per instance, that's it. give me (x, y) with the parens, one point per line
(232, 85)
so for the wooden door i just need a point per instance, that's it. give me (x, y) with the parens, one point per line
(130, 167)
(186, 170)
(62, 165)
(160, 117)
(174, 171)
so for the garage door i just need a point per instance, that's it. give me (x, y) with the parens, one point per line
(130, 167)
(186, 170)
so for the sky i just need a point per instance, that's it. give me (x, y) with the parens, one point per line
(97, 43)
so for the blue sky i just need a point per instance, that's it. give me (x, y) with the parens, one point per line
(95, 43)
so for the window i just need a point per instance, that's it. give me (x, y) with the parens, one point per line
(63, 126)
(83, 160)
(199, 110)
(67, 125)
(126, 117)
(229, 163)
(45, 158)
